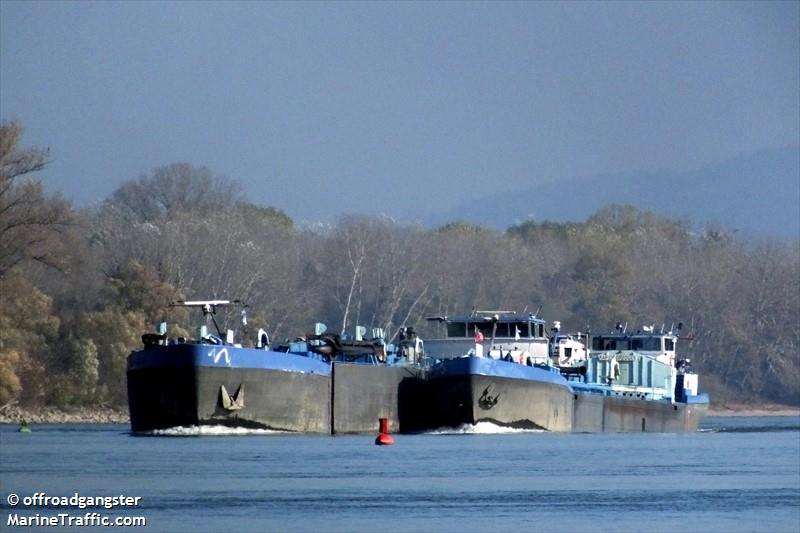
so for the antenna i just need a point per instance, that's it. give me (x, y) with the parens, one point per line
(209, 308)
(200, 303)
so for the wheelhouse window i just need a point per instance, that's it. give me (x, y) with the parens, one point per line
(646, 344)
(512, 329)
(502, 330)
(669, 345)
(485, 327)
(609, 343)
(523, 329)
(457, 329)
(505, 330)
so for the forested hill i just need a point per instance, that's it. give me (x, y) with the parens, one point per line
(756, 194)
(79, 287)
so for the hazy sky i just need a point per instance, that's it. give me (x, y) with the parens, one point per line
(401, 108)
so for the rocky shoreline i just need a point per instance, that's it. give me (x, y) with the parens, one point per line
(104, 415)
(738, 409)
(55, 415)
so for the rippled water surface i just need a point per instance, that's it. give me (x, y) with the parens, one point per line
(735, 474)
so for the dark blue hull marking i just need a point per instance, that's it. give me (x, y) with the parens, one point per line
(484, 366)
(698, 399)
(219, 356)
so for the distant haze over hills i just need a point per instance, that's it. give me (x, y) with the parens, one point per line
(756, 194)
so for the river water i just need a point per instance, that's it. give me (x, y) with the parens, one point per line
(735, 474)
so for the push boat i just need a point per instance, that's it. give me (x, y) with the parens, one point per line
(501, 367)
(635, 381)
(318, 383)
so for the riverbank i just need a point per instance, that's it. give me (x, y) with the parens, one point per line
(740, 409)
(54, 415)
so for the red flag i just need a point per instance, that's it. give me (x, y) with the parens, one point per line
(478, 335)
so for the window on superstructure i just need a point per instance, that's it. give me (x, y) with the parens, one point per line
(484, 327)
(502, 330)
(647, 344)
(457, 329)
(487, 328)
(669, 345)
(606, 343)
(522, 327)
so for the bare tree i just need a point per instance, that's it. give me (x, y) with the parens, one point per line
(31, 223)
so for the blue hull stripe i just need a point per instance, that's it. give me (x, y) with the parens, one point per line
(209, 355)
(700, 398)
(484, 366)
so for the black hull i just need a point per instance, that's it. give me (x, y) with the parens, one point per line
(353, 397)
(350, 400)
(287, 401)
(595, 413)
(362, 394)
(470, 399)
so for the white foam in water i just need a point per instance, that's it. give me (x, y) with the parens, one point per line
(203, 431)
(481, 428)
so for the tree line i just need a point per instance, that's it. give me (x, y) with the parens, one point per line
(78, 287)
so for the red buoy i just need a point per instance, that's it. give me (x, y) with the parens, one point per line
(383, 439)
